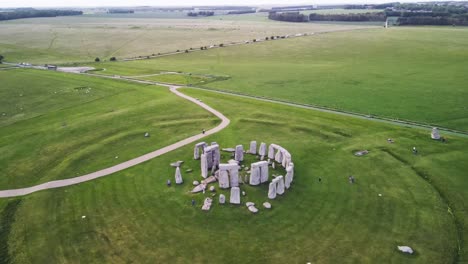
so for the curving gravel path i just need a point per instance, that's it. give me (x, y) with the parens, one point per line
(129, 163)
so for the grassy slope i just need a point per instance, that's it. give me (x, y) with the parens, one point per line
(72, 39)
(133, 216)
(47, 135)
(398, 73)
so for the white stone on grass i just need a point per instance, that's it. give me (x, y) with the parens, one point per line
(195, 183)
(405, 249)
(212, 188)
(267, 205)
(248, 204)
(235, 195)
(435, 133)
(207, 204)
(178, 176)
(253, 209)
(222, 199)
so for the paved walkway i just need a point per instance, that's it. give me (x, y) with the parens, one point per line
(126, 164)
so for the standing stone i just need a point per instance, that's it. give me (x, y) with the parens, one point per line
(196, 150)
(234, 177)
(223, 179)
(178, 176)
(279, 156)
(280, 185)
(204, 166)
(239, 155)
(255, 174)
(271, 151)
(235, 195)
(263, 171)
(289, 176)
(253, 147)
(222, 199)
(435, 133)
(272, 190)
(262, 150)
(286, 159)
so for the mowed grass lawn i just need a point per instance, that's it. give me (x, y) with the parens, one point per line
(406, 73)
(133, 216)
(56, 126)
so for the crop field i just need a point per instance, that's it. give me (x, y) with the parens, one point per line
(75, 39)
(400, 73)
(134, 216)
(60, 126)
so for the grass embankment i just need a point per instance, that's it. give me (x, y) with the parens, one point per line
(133, 216)
(406, 73)
(56, 126)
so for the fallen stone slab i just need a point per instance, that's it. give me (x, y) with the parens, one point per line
(267, 205)
(177, 163)
(361, 153)
(405, 249)
(209, 180)
(207, 204)
(253, 209)
(248, 204)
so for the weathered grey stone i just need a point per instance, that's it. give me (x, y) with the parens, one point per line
(196, 150)
(239, 155)
(272, 190)
(253, 147)
(435, 133)
(405, 249)
(231, 161)
(177, 163)
(289, 175)
(223, 179)
(286, 159)
(271, 151)
(222, 199)
(195, 183)
(248, 204)
(280, 185)
(273, 165)
(212, 189)
(235, 195)
(262, 150)
(207, 204)
(234, 177)
(263, 171)
(204, 166)
(279, 156)
(243, 193)
(253, 209)
(267, 205)
(254, 174)
(147, 134)
(209, 180)
(199, 188)
(178, 176)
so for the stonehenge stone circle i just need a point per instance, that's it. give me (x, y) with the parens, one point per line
(258, 173)
(196, 150)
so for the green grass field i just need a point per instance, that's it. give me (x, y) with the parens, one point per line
(398, 73)
(59, 126)
(133, 216)
(83, 38)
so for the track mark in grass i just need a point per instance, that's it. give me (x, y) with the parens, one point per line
(425, 176)
(7, 218)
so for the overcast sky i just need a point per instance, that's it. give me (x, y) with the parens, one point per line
(83, 3)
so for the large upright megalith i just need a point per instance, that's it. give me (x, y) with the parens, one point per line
(262, 151)
(223, 179)
(253, 147)
(239, 155)
(196, 150)
(289, 175)
(280, 185)
(272, 190)
(178, 176)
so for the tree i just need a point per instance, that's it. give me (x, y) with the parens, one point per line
(1, 58)
(113, 59)
(221, 45)
(97, 59)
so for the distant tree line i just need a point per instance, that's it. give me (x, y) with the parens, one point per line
(201, 13)
(288, 16)
(30, 13)
(348, 17)
(239, 12)
(429, 20)
(120, 11)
